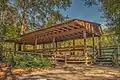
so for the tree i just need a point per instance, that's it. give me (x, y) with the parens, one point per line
(111, 9)
(24, 14)
(40, 12)
(8, 17)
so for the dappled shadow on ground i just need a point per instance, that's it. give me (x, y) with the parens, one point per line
(68, 72)
(77, 72)
(7, 73)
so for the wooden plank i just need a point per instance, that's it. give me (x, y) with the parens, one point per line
(80, 61)
(49, 38)
(85, 46)
(56, 32)
(70, 48)
(74, 26)
(50, 30)
(68, 37)
(63, 33)
(60, 59)
(59, 29)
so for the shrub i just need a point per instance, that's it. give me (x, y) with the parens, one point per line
(29, 61)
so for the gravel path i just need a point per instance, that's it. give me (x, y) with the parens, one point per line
(75, 72)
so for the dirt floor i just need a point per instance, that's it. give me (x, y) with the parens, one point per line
(75, 72)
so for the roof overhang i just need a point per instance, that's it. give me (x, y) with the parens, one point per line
(64, 31)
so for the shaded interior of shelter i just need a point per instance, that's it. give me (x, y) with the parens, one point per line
(69, 30)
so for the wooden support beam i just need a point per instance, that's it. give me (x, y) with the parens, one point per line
(23, 46)
(99, 38)
(60, 29)
(57, 34)
(93, 41)
(15, 48)
(69, 37)
(43, 46)
(56, 45)
(35, 49)
(85, 46)
(73, 42)
(65, 59)
(53, 42)
(61, 33)
(43, 50)
(19, 47)
(118, 48)
(73, 45)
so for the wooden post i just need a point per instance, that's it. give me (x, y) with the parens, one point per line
(73, 43)
(73, 46)
(93, 39)
(35, 45)
(54, 49)
(118, 53)
(15, 48)
(65, 59)
(43, 46)
(41, 54)
(85, 46)
(23, 46)
(19, 47)
(99, 45)
(56, 45)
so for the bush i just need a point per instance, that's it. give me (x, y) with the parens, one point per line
(29, 61)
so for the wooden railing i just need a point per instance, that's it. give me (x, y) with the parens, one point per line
(114, 54)
(114, 57)
(65, 57)
(72, 48)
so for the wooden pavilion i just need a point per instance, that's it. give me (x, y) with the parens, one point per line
(69, 30)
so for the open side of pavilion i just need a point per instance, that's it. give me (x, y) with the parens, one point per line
(69, 30)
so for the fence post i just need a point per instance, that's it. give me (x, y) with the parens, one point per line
(117, 55)
(100, 53)
(118, 50)
(65, 59)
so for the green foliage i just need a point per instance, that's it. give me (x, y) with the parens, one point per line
(8, 20)
(109, 38)
(111, 9)
(41, 12)
(28, 61)
(8, 15)
(28, 14)
(12, 32)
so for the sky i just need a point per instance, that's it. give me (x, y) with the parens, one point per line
(78, 10)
